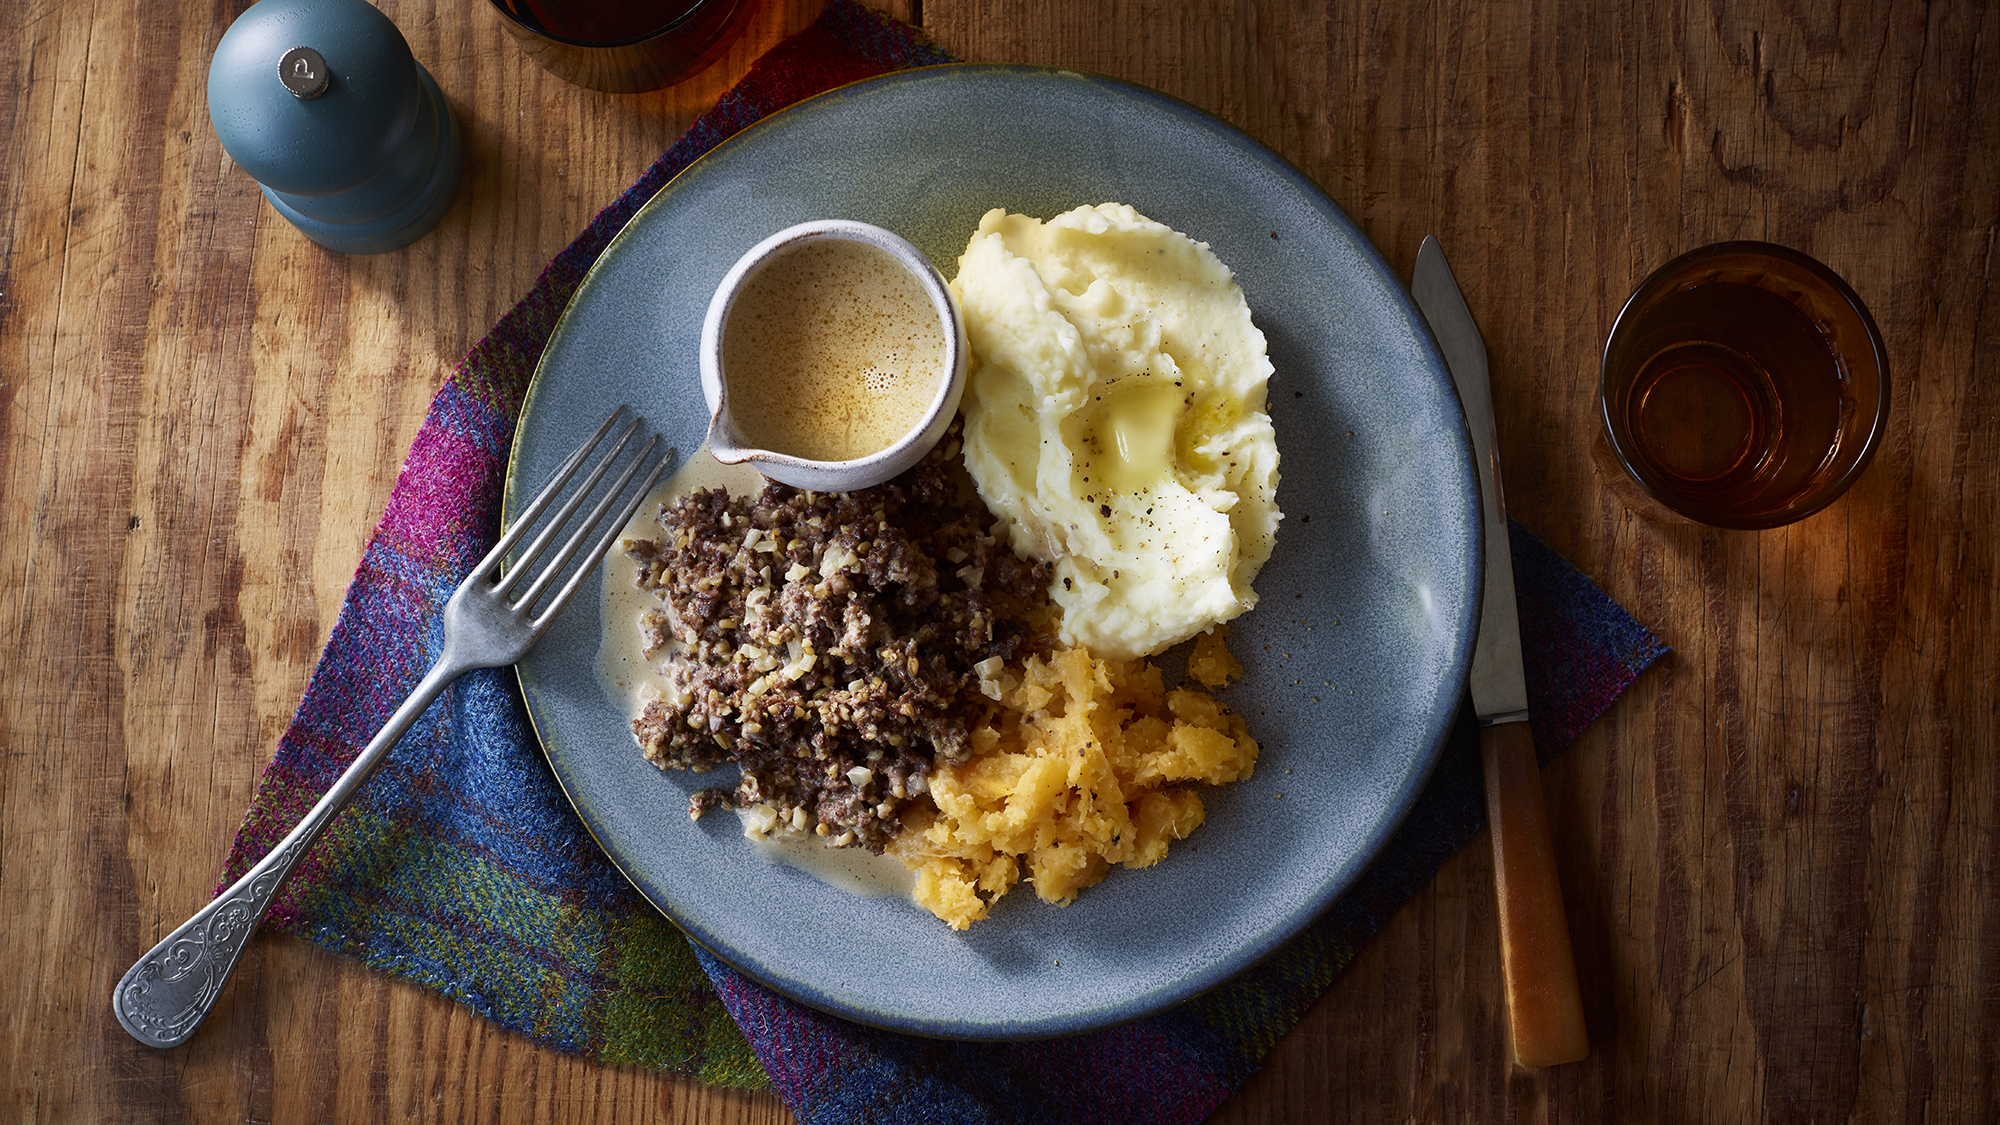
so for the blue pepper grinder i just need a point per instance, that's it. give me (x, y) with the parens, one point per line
(348, 135)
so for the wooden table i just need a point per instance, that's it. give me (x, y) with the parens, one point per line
(1779, 849)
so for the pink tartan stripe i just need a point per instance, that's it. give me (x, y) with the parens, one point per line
(447, 478)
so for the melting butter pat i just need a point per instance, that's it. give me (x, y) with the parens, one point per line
(1115, 420)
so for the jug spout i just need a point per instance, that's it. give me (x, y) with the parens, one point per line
(722, 442)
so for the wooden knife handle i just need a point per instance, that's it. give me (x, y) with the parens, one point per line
(1544, 1007)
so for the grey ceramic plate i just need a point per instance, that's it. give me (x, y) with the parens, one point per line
(1355, 656)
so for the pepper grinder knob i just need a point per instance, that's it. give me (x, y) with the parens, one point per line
(349, 137)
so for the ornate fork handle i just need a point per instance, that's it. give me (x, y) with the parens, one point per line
(168, 992)
(166, 995)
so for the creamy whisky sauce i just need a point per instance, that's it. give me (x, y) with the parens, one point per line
(832, 352)
(630, 679)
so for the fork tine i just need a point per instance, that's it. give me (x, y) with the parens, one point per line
(562, 516)
(541, 501)
(604, 541)
(590, 523)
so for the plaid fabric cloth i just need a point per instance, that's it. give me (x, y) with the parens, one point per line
(461, 866)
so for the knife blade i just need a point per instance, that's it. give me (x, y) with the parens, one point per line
(1544, 1003)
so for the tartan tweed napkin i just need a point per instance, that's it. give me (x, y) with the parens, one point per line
(462, 867)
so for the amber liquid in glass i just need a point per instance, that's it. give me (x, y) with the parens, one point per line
(1737, 406)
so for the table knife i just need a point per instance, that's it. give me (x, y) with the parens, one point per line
(1544, 1006)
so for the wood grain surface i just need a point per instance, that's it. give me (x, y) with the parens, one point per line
(1778, 850)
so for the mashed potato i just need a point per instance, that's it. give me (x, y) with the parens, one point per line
(1115, 420)
(1091, 763)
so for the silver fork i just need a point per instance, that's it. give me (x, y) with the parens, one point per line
(166, 995)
